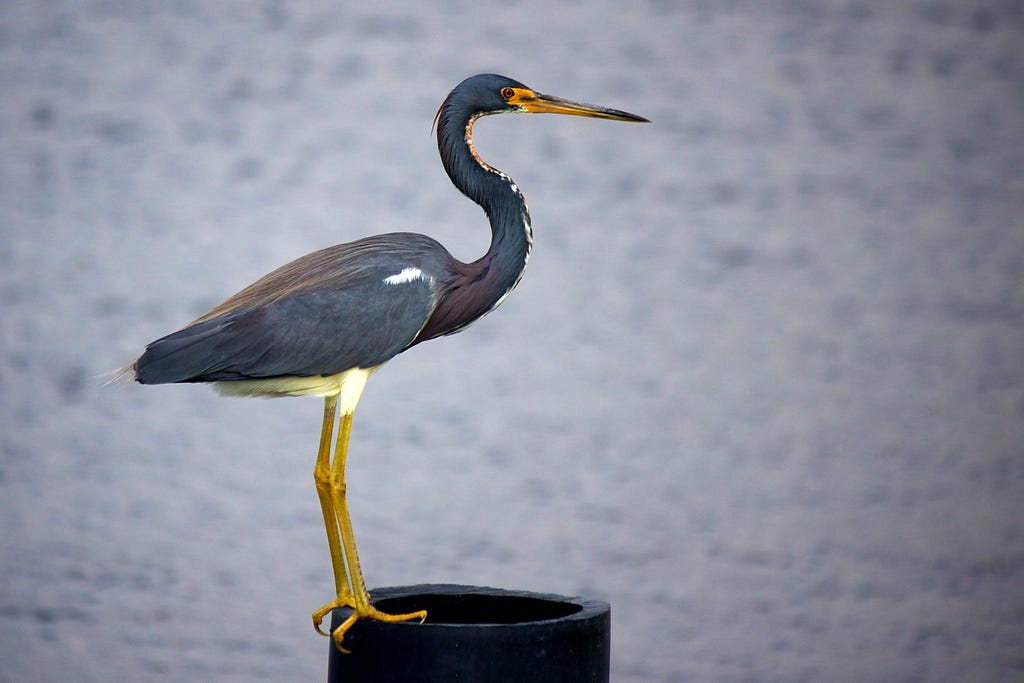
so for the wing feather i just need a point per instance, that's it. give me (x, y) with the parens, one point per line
(281, 326)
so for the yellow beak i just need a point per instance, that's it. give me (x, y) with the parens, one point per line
(538, 103)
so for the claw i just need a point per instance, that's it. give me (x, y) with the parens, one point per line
(320, 614)
(339, 633)
(317, 621)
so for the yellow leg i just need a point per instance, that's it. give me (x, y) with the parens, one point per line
(322, 476)
(363, 608)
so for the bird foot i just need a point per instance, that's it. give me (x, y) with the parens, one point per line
(370, 612)
(341, 601)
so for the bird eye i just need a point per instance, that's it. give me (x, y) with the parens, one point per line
(507, 93)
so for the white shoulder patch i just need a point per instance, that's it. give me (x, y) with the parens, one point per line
(407, 275)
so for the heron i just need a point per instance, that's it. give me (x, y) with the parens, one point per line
(322, 324)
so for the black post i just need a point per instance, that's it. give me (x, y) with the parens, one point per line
(476, 634)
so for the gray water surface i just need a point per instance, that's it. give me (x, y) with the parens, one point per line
(762, 387)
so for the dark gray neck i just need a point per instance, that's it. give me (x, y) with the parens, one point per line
(495, 274)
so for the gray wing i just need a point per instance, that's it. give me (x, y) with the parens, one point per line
(361, 314)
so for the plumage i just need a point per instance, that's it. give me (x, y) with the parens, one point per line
(326, 312)
(323, 313)
(322, 324)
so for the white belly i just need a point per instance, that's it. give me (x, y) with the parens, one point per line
(347, 386)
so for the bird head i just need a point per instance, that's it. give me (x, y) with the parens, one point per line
(493, 94)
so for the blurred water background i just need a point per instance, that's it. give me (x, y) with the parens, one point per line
(762, 387)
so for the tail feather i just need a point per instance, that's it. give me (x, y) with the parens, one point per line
(125, 373)
(187, 355)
